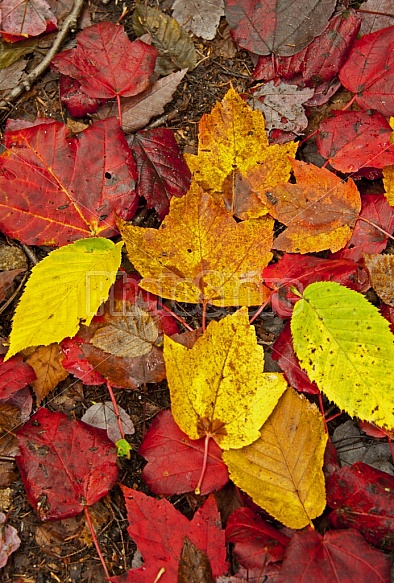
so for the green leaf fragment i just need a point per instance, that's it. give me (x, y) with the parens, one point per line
(347, 348)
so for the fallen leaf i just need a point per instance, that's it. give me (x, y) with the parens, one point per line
(9, 541)
(336, 556)
(10, 53)
(162, 171)
(65, 464)
(201, 17)
(388, 181)
(64, 288)
(24, 19)
(103, 416)
(137, 111)
(232, 139)
(131, 334)
(381, 270)
(7, 281)
(363, 75)
(388, 313)
(283, 353)
(76, 364)
(218, 387)
(376, 15)
(320, 210)
(275, 26)
(363, 497)
(351, 140)
(282, 470)
(14, 376)
(365, 238)
(194, 565)
(256, 542)
(282, 106)
(75, 185)
(9, 419)
(106, 63)
(11, 76)
(298, 271)
(158, 530)
(176, 49)
(321, 61)
(75, 100)
(200, 254)
(346, 347)
(46, 361)
(175, 461)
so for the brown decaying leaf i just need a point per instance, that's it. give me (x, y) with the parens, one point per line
(47, 364)
(10, 76)
(194, 565)
(320, 210)
(137, 111)
(9, 418)
(131, 335)
(176, 49)
(201, 17)
(381, 270)
(282, 106)
(6, 281)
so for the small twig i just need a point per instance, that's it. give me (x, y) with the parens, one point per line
(69, 23)
(30, 254)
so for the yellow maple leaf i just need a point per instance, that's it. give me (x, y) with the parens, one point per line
(200, 254)
(218, 387)
(65, 288)
(235, 159)
(282, 470)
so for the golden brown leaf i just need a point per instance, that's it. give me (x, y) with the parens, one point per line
(46, 362)
(200, 254)
(235, 160)
(320, 210)
(381, 270)
(282, 470)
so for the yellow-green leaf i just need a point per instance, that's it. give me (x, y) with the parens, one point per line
(346, 347)
(218, 387)
(282, 470)
(200, 254)
(64, 289)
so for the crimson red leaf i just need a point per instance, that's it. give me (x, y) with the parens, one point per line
(369, 71)
(353, 139)
(77, 102)
(301, 270)
(175, 461)
(159, 530)
(106, 63)
(24, 19)
(75, 362)
(162, 171)
(363, 498)
(342, 556)
(14, 376)
(365, 238)
(321, 60)
(65, 464)
(388, 313)
(257, 542)
(56, 189)
(277, 26)
(283, 352)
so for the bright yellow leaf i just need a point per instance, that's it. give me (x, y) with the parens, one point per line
(346, 347)
(282, 470)
(218, 387)
(388, 181)
(64, 289)
(233, 145)
(200, 254)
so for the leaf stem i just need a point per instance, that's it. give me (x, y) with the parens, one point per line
(204, 316)
(95, 541)
(119, 109)
(261, 308)
(204, 464)
(181, 320)
(116, 410)
(376, 227)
